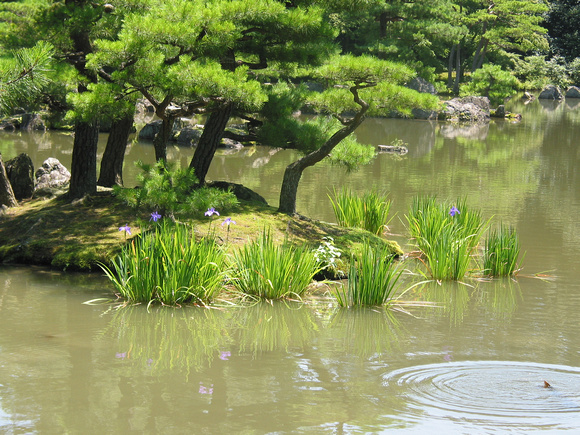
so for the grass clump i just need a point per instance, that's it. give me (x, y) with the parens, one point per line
(167, 265)
(372, 278)
(174, 191)
(264, 269)
(369, 211)
(502, 249)
(446, 235)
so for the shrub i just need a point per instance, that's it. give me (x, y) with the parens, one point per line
(492, 82)
(174, 191)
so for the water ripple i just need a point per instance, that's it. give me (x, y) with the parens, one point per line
(496, 392)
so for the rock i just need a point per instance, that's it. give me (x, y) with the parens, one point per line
(241, 192)
(51, 179)
(424, 114)
(32, 121)
(573, 92)
(419, 84)
(189, 136)
(20, 171)
(500, 111)
(550, 92)
(150, 130)
(394, 149)
(467, 109)
(231, 144)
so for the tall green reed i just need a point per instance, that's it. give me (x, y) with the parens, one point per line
(447, 235)
(266, 270)
(369, 211)
(502, 250)
(372, 278)
(167, 265)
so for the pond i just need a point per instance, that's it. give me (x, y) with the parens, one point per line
(473, 359)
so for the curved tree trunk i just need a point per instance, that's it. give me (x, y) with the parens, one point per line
(294, 170)
(7, 197)
(83, 180)
(112, 162)
(209, 141)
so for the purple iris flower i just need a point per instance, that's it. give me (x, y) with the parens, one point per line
(211, 212)
(225, 355)
(228, 221)
(454, 211)
(155, 216)
(126, 228)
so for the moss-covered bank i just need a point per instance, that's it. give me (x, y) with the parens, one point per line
(77, 235)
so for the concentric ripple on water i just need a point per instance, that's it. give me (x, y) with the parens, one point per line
(497, 393)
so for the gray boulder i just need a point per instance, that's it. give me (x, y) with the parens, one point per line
(419, 84)
(467, 109)
(51, 178)
(573, 92)
(20, 172)
(551, 92)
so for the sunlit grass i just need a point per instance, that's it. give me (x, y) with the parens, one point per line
(372, 279)
(369, 211)
(167, 265)
(264, 269)
(502, 250)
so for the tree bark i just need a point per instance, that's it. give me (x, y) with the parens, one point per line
(83, 171)
(209, 141)
(112, 162)
(161, 139)
(457, 69)
(7, 197)
(294, 170)
(450, 67)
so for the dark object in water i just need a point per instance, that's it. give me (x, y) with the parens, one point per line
(546, 385)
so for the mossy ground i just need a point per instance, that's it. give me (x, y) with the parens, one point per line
(77, 235)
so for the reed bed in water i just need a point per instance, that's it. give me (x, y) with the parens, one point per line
(369, 211)
(264, 269)
(372, 279)
(446, 235)
(165, 264)
(502, 250)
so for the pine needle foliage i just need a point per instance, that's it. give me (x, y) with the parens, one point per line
(174, 191)
(24, 76)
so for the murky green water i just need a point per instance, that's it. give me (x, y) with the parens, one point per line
(474, 364)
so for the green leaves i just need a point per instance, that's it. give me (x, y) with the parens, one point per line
(25, 76)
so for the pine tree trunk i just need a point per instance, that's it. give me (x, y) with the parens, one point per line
(7, 197)
(209, 141)
(83, 171)
(161, 139)
(457, 69)
(294, 170)
(450, 67)
(112, 162)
